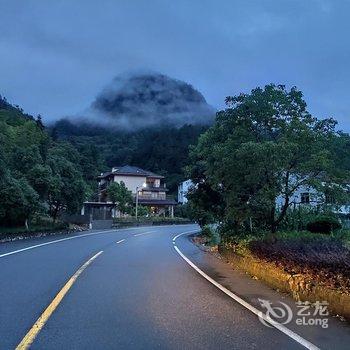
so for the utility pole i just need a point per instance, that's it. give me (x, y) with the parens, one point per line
(137, 201)
(137, 198)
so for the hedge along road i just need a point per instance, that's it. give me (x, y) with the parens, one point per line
(123, 289)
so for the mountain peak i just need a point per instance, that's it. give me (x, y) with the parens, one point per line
(141, 100)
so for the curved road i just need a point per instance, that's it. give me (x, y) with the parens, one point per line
(139, 293)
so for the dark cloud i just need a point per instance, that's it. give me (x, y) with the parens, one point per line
(56, 56)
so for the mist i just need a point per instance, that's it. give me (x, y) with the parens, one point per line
(137, 100)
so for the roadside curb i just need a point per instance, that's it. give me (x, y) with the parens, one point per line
(297, 285)
(43, 234)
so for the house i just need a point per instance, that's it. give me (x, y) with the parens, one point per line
(305, 196)
(147, 188)
(309, 197)
(182, 191)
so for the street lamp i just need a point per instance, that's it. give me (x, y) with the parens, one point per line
(137, 197)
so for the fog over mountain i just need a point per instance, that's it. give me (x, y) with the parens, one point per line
(134, 101)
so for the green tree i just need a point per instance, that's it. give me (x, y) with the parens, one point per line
(18, 201)
(164, 150)
(40, 177)
(265, 145)
(66, 188)
(120, 196)
(35, 172)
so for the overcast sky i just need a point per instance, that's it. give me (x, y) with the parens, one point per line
(55, 56)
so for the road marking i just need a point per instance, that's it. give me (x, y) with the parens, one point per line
(239, 300)
(41, 321)
(183, 233)
(74, 237)
(143, 233)
(122, 240)
(55, 241)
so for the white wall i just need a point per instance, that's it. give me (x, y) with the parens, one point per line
(316, 198)
(131, 182)
(182, 191)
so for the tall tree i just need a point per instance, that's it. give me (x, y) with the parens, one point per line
(67, 188)
(266, 145)
(35, 172)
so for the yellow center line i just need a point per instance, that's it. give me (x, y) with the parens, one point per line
(41, 321)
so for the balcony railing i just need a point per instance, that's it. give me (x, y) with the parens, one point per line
(160, 197)
(149, 187)
(152, 196)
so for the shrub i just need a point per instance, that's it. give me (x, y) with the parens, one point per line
(5, 231)
(150, 220)
(183, 211)
(212, 235)
(297, 219)
(324, 224)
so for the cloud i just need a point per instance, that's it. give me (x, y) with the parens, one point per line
(57, 55)
(146, 99)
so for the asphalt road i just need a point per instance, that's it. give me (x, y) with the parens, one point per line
(139, 293)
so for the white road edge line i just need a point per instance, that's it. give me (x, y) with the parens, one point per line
(55, 241)
(73, 237)
(239, 300)
(122, 240)
(143, 233)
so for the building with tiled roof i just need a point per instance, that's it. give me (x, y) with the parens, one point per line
(147, 188)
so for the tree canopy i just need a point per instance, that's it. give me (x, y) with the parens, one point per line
(266, 145)
(163, 150)
(119, 195)
(38, 175)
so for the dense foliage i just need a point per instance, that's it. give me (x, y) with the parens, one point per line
(324, 224)
(266, 145)
(120, 196)
(163, 150)
(47, 171)
(37, 175)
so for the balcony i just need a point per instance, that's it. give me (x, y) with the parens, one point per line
(154, 195)
(162, 199)
(151, 187)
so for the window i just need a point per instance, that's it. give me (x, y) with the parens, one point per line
(305, 198)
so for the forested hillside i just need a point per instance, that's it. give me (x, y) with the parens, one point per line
(163, 150)
(45, 171)
(144, 119)
(38, 176)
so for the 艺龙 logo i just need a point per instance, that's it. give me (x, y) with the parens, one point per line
(307, 313)
(282, 313)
